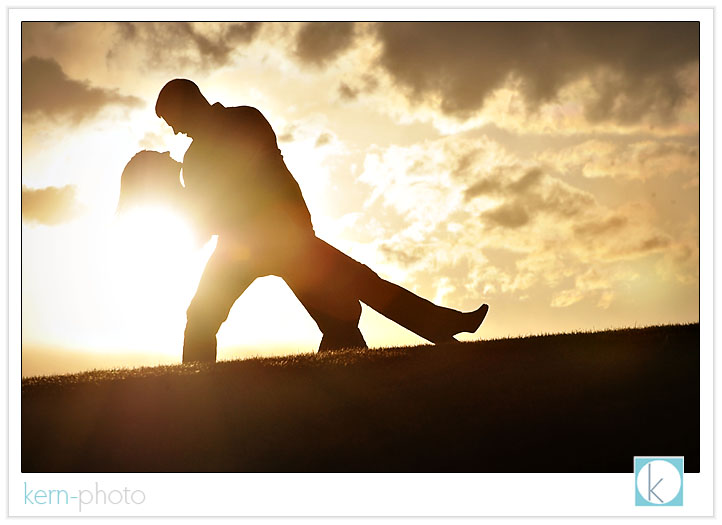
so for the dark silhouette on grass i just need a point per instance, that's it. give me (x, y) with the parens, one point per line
(328, 283)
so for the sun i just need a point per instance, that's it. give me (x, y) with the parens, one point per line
(153, 266)
(154, 229)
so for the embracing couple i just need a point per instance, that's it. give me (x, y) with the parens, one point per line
(237, 186)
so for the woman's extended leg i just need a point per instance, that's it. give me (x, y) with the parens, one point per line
(335, 274)
(436, 323)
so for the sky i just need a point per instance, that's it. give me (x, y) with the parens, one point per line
(550, 170)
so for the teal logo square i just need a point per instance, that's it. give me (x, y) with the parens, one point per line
(659, 481)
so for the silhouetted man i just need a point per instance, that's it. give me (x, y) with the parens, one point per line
(235, 172)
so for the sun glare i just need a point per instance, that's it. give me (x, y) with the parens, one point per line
(153, 269)
(154, 229)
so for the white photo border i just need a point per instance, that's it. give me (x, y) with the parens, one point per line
(366, 494)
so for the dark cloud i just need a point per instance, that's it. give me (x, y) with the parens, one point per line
(465, 164)
(128, 30)
(369, 82)
(347, 92)
(366, 84)
(289, 134)
(526, 196)
(633, 65)
(242, 32)
(483, 187)
(561, 200)
(174, 44)
(655, 242)
(629, 246)
(47, 91)
(601, 227)
(323, 139)
(501, 181)
(530, 179)
(403, 255)
(319, 42)
(510, 215)
(49, 206)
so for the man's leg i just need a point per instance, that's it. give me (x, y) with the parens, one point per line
(223, 281)
(319, 284)
(336, 314)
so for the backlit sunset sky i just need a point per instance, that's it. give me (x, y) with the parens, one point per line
(550, 170)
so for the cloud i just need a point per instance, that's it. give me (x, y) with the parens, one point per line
(600, 234)
(405, 258)
(320, 42)
(323, 139)
(49, 206)
(310, 131)
(596, 281)
(242, 32)
(204, 45)
(681, 262)
(526, 196)
(509, 215)
(450, 206)
(151, 141)
(634, 66)
(48, 92)
(643, 159)
(566, 298)
(347, 92)
(483, 187)
(527, 181)
(288, 134)
(593, 228)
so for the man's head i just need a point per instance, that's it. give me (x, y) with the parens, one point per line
(182, 105)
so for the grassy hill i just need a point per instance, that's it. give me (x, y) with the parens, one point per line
(585, 402)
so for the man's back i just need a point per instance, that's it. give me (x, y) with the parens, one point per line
(237, 172)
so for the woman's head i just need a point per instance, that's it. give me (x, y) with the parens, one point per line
(150, 178)
(153, 179)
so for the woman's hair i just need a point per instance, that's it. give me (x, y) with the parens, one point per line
(150, 177)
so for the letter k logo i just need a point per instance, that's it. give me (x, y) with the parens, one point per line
(658, 480)
(649, 484)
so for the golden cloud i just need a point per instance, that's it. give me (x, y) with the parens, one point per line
(48, 92)
(49, 206)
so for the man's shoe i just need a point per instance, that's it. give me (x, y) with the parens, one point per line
(469, 322)
(473, 320)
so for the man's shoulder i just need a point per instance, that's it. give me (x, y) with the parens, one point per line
(245, 122)
(238, 111)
